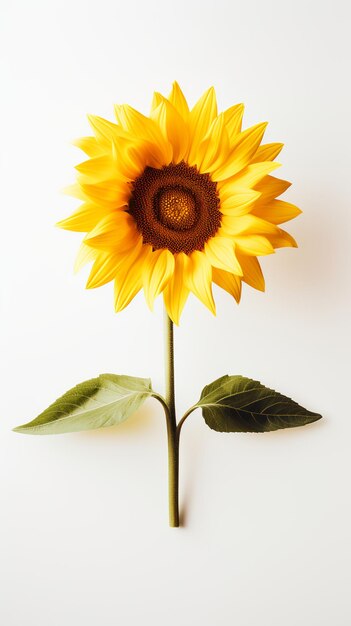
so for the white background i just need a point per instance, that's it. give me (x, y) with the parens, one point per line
(84, 534)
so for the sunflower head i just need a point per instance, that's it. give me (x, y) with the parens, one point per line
(178, 200)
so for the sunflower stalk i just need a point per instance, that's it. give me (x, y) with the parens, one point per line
(155, 218)
(172, 432)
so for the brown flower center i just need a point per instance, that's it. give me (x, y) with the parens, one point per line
(175, 207)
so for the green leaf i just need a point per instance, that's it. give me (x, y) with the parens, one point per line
(237, 404)
(103, 401)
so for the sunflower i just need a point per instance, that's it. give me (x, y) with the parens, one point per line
(177, 201)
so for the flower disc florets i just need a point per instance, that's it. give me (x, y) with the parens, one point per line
(175, 208)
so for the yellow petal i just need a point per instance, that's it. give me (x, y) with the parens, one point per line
(156, 100)
(104, 130)
(177, 98)
(233, 120)
(157, 271)
(98, 168)
(90, 146)
(176, 293)
(230, 282)
(85, 218)
(247, 178)
(271, 187)
(85, 255)
(247, 224)
(76, 191)
(252, 271)
(277, 211)
(282, 240)
(267, 152)
(254, 245)
(115, 231)
(214, 149)
(199, 278)
(200, 120)
(173, 127)
(239, 203)
(143, 127)
(129, 276)
(104, 269)
(111, 194)
(242, 150)
(221, 254)
(132, 157)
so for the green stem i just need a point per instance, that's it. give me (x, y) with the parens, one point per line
(181, 422)
(172, 433)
